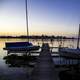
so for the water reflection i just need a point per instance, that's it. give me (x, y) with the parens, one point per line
(15, 60)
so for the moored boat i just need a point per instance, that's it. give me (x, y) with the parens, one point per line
(20, 46)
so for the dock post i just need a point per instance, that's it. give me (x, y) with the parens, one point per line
(8, 52)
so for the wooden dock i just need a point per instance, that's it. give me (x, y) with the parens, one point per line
(44, 68)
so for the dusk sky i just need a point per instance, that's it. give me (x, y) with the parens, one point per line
(50, 17)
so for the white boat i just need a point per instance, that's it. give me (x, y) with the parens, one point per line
(70, 52)
(21, 46)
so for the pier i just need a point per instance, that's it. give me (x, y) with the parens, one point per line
(44, 68)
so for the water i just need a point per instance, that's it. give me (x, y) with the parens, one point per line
(20, 73)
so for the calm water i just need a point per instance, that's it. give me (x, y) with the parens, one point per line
(18, 73)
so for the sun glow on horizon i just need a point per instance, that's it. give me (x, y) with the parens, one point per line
(38, 34)
(53, 17)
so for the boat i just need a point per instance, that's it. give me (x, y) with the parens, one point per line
(21, 46)
(71, 52)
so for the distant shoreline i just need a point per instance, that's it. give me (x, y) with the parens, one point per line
(37, 37)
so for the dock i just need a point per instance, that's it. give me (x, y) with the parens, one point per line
(44, 68)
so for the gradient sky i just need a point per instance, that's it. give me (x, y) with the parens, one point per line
(51, 17)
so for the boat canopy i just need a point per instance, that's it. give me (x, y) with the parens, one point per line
(17, 44)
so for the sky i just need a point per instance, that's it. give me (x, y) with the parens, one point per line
(48, 17)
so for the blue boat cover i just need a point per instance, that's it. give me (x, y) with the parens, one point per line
(18, 44)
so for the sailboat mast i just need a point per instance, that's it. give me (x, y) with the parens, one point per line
(78, 38)
(27, 20)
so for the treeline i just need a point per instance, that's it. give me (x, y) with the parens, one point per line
(39, 37)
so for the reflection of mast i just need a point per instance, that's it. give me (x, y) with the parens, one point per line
(78, 38)
(27, 20)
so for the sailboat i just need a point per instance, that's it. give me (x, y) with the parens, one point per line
(70, 52)
(21, 46)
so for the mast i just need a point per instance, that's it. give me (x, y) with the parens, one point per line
(27, 20)
(78, 38)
